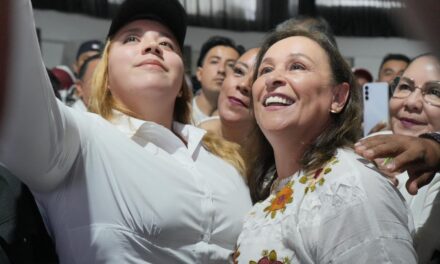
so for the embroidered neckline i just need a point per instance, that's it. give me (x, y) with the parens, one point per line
(279, 183)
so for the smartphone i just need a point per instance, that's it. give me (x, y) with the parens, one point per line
(375, 98)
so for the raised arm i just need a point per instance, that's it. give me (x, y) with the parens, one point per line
(38, 136)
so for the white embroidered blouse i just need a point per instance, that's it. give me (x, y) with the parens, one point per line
(344, 212)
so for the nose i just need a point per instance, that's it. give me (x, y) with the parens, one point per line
(274, 80)
(244, 86)
(222, 68)
(414, 101)
(152, 47)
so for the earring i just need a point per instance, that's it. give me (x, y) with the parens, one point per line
(334, 111)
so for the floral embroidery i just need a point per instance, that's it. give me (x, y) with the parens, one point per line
(281, 199)
(270, 258)
(235, 255)
(317, 176)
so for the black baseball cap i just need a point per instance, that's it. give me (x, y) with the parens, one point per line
(90, 45)
(168, 12)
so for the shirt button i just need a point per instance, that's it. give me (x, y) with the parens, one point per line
(206, 237)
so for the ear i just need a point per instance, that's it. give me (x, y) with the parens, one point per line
(79, 89)
(340, 96)
(199, 73)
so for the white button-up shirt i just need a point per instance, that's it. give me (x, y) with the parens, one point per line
(127, 192)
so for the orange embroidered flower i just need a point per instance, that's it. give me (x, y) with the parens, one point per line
(281, 199)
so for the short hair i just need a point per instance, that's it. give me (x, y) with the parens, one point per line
(394, 56)
(215, 41)
(85, 65)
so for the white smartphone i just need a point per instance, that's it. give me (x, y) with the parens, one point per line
(375, 98)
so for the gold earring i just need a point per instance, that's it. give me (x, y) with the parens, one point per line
(334, 111)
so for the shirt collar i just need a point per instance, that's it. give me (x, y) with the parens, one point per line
(144, 132)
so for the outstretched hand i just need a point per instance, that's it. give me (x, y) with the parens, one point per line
(420, 157)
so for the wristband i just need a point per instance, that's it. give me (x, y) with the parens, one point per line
(433, 136)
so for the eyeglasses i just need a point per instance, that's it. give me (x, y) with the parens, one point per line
(403, 87)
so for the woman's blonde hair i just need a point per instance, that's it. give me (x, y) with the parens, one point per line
(103, 103)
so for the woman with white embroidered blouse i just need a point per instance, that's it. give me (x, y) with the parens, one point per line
(135, 183)
(326, 204)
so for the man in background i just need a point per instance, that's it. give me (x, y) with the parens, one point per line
(218, 55)
(392, 65)
(83, 85)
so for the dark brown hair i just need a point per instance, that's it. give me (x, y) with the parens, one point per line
(343, 130)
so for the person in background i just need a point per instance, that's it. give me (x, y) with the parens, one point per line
(326, 205)
(83, 85)
(236, 121)
(415, 110)
(419, 156)
(66, 79)
(86, 50)
(392, 66)
(217, 55)
(362, 76)
(134, 183)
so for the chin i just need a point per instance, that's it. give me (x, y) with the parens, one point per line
(409, 132)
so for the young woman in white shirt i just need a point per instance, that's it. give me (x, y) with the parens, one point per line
(135, 183)
(326, 204)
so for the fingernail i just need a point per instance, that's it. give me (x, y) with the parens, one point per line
(369, 152)
(390, 166)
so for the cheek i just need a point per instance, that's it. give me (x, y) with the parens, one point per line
(395, 106)
(433, 118)
(229, 84)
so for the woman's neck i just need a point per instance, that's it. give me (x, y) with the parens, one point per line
(288, 154)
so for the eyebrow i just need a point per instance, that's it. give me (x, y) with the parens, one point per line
(406, 79)
(242, 64)
(137, 30)
(293, 55)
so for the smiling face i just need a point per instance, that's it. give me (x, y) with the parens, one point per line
(412, 115)
(145, 66)
(293, 90)
(234, 99)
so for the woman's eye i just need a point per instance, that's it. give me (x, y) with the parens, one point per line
(403, 86)
(130, 38)
(296, 66)
(167, 44)
(238, 71)
(264, 70)
(434, 91)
